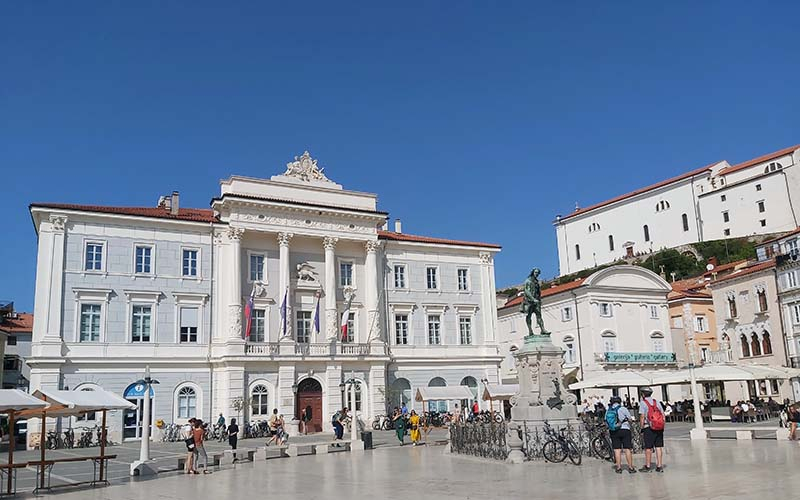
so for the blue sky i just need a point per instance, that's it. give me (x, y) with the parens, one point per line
(472, 120)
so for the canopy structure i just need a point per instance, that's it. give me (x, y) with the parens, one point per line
(725, 373)
(608, 380)
(15, 400)
(71, 403)
(455, 392)
(496, 392)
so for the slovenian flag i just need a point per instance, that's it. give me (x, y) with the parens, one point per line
(283, 312)
(248, 314)
(345, 317)
(316, 315)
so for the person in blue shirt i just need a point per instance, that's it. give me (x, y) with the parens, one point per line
(621, 438)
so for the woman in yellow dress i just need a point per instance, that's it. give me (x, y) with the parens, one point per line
(414, 422)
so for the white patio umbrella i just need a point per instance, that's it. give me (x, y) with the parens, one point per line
(723, 373)
(612, 379)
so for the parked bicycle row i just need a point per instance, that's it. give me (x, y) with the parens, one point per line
(86, 438)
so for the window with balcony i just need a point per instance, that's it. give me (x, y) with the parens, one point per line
(755, 345)
(745, 345)
(401, 329)
(304, 327)
(258, 330)
(434, 329)
(766, 343)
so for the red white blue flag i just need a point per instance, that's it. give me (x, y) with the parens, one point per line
(248, 314)
(316, 314)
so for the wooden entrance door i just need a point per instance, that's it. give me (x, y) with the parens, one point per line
(309, 393)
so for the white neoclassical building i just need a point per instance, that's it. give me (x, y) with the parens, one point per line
(615, 319)
(118, 288)
(720, 200)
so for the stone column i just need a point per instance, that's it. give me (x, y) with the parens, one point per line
(488, 302)
(371, 292)
(331, 323)
(284, 283)
(235, 284)
(50, 287)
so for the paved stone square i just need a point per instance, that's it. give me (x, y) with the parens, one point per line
(720, 469)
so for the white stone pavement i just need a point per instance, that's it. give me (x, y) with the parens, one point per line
(725, 469)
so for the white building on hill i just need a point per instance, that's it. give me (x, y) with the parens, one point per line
(759, 196)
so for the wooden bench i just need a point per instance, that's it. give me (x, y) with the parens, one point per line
(240, 454)
(8, 474)
(747, 433)
(46, 467)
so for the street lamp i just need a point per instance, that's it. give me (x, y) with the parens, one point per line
(141, 467)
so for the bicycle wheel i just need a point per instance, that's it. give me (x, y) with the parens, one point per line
(574, 452)
(554, 452)
(601, 448)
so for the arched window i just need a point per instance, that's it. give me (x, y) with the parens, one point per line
(401, 392)
(472, 384)
(611, 242)
(437, 405)
(662, 205)
(609, 341)
(657, 340)
(685, 220)
(569, 349)
(187, 402)
(763, 305)
(766, 343)
(646, 232)
(577, 252)
(745, 346)
(346, 397)
(593, 227)
(772, 167)
(755, 345)
(259, 402)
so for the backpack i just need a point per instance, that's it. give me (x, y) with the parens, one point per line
(612, 420)
(336, 417)
(654, 415)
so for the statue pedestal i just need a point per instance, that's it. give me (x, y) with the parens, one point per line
(542, 395)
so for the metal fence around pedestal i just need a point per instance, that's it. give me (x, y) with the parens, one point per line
(479, 440)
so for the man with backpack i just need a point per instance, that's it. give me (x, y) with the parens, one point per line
(618, 419)
(651, 418)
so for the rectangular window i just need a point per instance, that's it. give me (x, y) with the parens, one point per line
(791, 279)
(345, 274)
(700, 324)
(796, 314)
(463, 280)
(677, 322)
(758, 187)
(761, 208)
(605, 309)
(465, 330)
(257, 267)
(732, 311)
(726, 232)
(399, 276)
(189, 265)
(609, 344)
(569, 351)
(610, 243)
(577, 252)
(658, 345)
(725, 217)
(11, 340)
(653, 312)
(763, 222)
(258, 330)
(141, 323)
(90, 323)
(351, 329)
(434, 330)
(304, 327)
(685, 220)
(762, 301)
(189, 321)
(144, 255)
(401, 329)
(94, 257)
(432, 278)
(723, 198)
(566, 314)
(791, 246)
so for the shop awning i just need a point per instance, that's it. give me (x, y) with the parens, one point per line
(496, 392)
(725, 373)
(612, 379)
(70, 403)
(452, 393)
(16, 400)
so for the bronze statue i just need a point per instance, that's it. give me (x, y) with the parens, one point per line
(532, 302)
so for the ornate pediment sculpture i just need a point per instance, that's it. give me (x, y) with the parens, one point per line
(305, 168)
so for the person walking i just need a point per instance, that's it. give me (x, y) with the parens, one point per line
(233, 437)
(307, 415)
(399, 426)
(618, 419)
(414, 422)
(793, 417)
(274, 423)
(651, 418)
(200, 454)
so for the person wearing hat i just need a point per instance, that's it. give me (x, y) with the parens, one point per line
(618, 419)
(651, 418)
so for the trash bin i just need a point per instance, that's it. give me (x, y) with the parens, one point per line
(366, 437)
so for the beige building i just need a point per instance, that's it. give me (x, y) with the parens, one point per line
(749, 326)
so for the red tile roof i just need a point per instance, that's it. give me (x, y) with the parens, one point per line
(785, 235)
(23, 323)
(760, 159)
(751, 269)
(553, 290)
(640, 191)
(185, 214)
(391, 235)
(690, 288)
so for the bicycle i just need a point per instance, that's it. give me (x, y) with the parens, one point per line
(54, 440)
(559, 446)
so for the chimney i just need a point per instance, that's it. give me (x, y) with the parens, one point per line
(173, 206)
(385, 225)
(398, 226)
